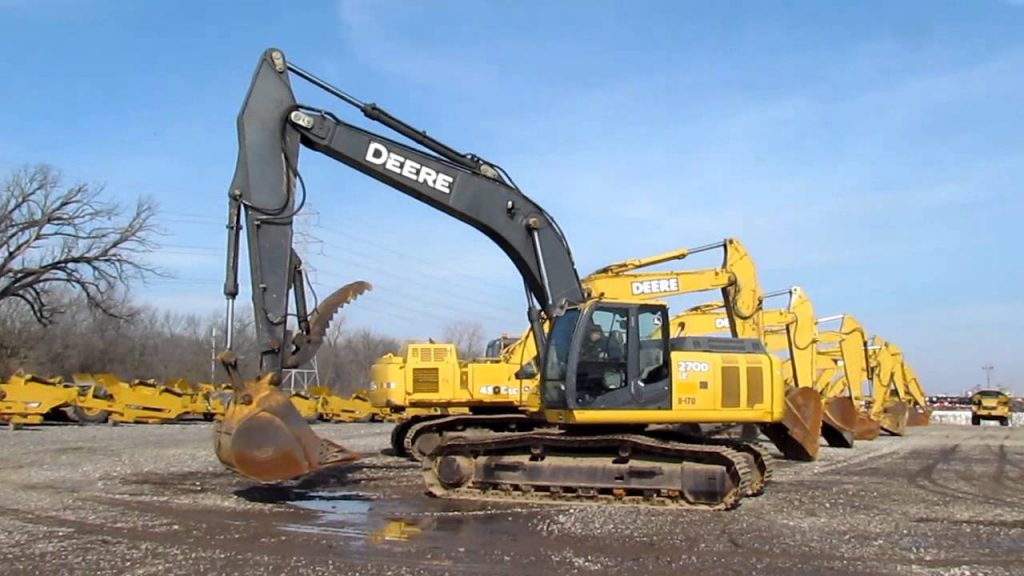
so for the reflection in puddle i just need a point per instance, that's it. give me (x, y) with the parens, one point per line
(396, 529)
(363, 518)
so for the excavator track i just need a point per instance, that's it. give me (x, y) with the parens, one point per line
(561, 467)
(420, 438)
(761, 462)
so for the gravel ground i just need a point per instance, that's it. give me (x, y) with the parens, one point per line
(154, 500)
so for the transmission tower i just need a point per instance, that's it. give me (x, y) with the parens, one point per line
(306, 243)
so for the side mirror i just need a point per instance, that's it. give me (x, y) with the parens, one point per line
(526, 372)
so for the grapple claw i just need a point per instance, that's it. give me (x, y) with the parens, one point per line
(306, 345)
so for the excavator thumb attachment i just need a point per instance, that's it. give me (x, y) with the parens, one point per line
(263, 436)
(894, 418)
(919, 416)
(839, 423)
(306, 344)
(867, 429)
(798, 435)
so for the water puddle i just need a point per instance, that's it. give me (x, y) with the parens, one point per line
(365, 519)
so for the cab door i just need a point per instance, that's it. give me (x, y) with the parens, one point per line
(620, 359)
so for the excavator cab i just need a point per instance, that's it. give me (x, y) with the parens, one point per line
(657, 379)
(620, 370)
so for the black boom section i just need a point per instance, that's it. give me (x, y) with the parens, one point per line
(500, 212)
(270, 128)
(263, 189)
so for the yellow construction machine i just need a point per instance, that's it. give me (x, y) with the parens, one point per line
(889, 404)
(99, 398)
(430, 377)
(920, 410)
(106, 397)
(990, 404)
(203, 400)
(28, 399)
(306, 404)
(608, 369)
(791, 330)
(797, 328)
(355, 408)
(843, 369)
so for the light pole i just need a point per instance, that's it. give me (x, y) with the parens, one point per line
(988, 375)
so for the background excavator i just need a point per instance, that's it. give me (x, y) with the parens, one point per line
(920, 411)
(888, 406)
(791, 330)
(798, 327)
(601, 397)
(842, 354)
(430, 377)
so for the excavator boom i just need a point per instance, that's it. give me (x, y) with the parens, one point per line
(262, 436)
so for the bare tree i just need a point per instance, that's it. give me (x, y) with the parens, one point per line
(55, 238)
(468, 338)
(346, 358)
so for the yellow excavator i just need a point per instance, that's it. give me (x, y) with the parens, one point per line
(843, 369)
(920, 411)
(429, 376)
(888, 404)
(904, 387)
(608, 369)
(792, 330)
(797, 328)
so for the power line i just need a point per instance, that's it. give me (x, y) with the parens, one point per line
(344, 237)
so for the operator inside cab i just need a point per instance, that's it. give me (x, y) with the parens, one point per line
(599, 346)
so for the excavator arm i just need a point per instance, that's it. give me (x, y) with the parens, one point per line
(262, 436)
(271, 129)
(846, 349)
(736, 278)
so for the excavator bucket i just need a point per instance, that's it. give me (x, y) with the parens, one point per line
(919, 416)
(839, 423)
(798, 435)
(894, 418)
(867, 429)
(263, 436)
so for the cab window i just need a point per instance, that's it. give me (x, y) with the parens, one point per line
(652, 325)
(602, 366)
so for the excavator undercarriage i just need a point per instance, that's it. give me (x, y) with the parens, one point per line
(559, 466)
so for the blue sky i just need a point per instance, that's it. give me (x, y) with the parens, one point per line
(870, 152)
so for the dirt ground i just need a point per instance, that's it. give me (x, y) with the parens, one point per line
(154, 500)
